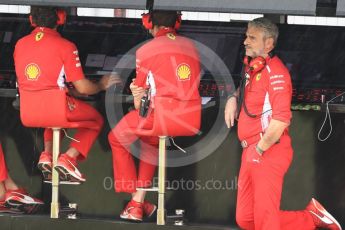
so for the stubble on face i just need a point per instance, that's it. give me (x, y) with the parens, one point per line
(254, 44)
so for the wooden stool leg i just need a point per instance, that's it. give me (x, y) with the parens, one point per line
(54, 208)
(161, 181)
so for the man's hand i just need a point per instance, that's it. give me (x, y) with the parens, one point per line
(253, 156)
(136, 90)
(230, 112)
(74, 93)
(272, 134)
(109, 80)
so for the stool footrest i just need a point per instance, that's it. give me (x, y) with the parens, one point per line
(153, 189)
(63, 182)
(150, 189)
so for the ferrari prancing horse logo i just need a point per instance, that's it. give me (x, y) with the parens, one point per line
(39, 36)
(258, 77)
(171, 36)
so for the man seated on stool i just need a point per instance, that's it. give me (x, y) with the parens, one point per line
(168, 65)
(44, 60)
(12, 198)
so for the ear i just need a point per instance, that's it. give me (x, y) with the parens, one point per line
(269, 44)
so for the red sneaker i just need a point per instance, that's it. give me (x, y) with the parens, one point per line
(133, 211)
(66, 167)
(20, 200)
(321, 218)
(45, 165)
(149, 208)
(4, 209)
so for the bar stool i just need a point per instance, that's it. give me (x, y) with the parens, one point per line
(47, 109)
(172, 117)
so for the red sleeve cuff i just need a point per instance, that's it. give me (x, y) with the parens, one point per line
(285, 119)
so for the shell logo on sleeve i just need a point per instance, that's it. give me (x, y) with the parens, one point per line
(183, 72)
(32, 72)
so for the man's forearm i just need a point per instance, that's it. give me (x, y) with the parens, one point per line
(235, 94)
(86, 87)
(137, 100)
(272, 135)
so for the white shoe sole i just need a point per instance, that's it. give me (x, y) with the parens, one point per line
(17, 206)
(66, 175)
(325, 213)
(130, 217)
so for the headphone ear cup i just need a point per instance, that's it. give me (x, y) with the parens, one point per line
(61, 14)
(178, 21)
(146, 20)
(257, 64)
(32, 22)
(246, 60)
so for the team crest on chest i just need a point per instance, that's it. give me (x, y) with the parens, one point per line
(258, 77)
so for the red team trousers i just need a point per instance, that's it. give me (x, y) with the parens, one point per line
(126, 178)
(3, 168)
(260, 188)
(86, 136)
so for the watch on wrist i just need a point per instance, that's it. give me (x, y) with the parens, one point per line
(260, 151)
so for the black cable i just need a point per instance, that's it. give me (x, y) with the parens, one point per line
(241, 98)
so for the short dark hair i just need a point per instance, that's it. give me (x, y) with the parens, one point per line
(164, 18)
(44, 16)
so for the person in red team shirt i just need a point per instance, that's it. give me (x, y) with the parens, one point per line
(12, 198)
(45, 60)
(264, 118)
(168, 65)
